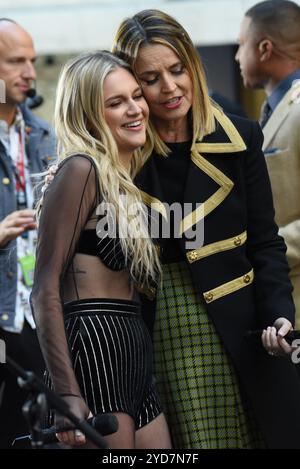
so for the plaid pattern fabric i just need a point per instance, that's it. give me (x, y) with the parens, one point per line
(195, 378)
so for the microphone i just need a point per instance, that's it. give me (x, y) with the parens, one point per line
(35, 102)
(289, 337)
(105, 424)
(31, 93)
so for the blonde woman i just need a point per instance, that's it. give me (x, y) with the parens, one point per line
(85, 301)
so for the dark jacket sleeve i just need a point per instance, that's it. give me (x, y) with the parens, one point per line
(66, 208)
(265, 248)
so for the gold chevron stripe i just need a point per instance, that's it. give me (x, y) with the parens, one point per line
(213, 201)
(154, 203)
(236, 143)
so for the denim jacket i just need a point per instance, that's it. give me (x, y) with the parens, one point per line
(40, 150)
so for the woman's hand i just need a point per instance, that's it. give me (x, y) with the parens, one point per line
(15, 224)
(273, 338)
(47, 181)
(49, 177)
(78, 407)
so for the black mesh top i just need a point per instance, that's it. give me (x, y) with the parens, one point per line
(63, 274)
(108, 249)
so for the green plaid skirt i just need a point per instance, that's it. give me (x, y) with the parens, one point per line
(196, 381)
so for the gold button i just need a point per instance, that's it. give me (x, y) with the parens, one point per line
(192, 256)
(6, 181)
(9, 274)
(247, 278)
(4, 317)
(208, 297)
(237, 241)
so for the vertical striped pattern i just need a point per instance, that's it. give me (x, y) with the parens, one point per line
(112, 357)
(196, 380)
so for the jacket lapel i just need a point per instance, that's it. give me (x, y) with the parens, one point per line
(37, 131)
(217, 186)
(5, 162)
(206, 186)
(280, 113)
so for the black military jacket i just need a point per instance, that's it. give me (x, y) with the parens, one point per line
(240, 269)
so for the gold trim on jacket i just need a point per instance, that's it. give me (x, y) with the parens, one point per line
(229, 287)
(214, 200)
(236, 143)
(154, 203)
(219, 246)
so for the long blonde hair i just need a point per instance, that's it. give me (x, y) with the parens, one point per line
(81, 128)
(150, 27)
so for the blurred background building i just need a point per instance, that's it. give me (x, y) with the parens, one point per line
(64, 28)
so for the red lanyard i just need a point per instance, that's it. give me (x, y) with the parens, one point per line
(20, 167)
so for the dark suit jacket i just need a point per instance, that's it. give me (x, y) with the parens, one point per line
(241, 269)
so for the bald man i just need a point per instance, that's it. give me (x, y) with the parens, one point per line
(269, 58)
(26, 146)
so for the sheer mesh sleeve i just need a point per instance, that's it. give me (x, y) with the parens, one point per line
(68, 204)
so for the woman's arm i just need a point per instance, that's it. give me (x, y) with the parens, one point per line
(267, 253)
(66, 209)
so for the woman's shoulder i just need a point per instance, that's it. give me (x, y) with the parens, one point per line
(247, 128)
(238, 131)
(243, 132)
(78, 164)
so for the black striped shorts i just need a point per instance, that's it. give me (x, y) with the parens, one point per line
(112, 356)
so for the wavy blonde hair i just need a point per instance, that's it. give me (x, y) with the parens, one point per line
(150, 27)
(81, 128)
